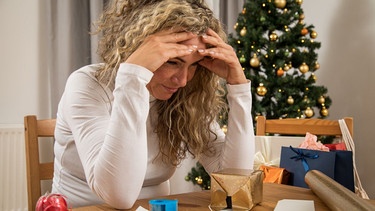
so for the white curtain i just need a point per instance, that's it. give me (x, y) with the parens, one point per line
(70, 45)
(227, 11)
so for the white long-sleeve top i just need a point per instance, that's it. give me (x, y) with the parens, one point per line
(105, 142)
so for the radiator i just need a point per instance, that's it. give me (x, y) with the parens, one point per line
(13, 189)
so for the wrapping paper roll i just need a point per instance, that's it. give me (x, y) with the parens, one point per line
(334, 195)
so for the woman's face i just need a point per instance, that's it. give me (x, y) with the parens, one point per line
(175, 73)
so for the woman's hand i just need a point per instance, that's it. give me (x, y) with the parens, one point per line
(158, 48)
(221, 59)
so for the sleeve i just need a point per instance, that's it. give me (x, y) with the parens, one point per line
(235, 149)
(112, 145)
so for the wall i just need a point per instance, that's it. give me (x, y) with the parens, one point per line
(345, 29)
(23, 84)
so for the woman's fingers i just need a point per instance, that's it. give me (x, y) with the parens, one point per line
(174, 36)
(222, 59)
(160, 47)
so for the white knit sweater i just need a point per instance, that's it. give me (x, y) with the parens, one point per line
(105, 145)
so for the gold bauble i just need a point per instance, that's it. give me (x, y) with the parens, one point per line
(299, 2)
(290, 100)
(199, 180)
(302, 16)
(280, 3)
(313, 34)
(243, 31)
(317, 65)
(304, 68)
(273, 36)
(244, 11)
(324, 111)
(321, 100)
(261, 90)
(286, 67)
(254, 62)
(309, 112)
(280, 72)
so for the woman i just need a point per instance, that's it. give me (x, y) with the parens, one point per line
(124, 125)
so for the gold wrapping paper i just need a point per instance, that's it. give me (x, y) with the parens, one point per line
(236, 189)
(275, 175)
(334, 195)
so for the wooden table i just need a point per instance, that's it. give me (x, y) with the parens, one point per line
(272, 193)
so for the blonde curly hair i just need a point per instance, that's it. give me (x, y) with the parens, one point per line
(184, 120)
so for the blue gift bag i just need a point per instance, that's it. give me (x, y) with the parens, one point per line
(338, 165)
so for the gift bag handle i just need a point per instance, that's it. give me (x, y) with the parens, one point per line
(349, 143)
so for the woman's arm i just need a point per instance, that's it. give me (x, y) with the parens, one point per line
(236, 148)
(112, 145)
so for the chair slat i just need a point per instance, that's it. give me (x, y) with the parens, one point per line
(301, 126)
(36, 171)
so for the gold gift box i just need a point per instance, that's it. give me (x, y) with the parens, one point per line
(236, 189)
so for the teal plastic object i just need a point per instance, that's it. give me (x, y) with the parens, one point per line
(163, 205)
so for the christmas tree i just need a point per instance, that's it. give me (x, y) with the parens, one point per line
(277, 51)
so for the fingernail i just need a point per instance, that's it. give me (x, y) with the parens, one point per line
(211, 52)
(204, 36)
(200, 50)
(195, 46)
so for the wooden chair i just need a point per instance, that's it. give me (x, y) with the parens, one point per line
(36, 171)
(291, 126)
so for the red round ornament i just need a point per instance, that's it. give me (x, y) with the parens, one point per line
(51, 202)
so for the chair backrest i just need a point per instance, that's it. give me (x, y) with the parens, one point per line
(291, 126)
(36, 171)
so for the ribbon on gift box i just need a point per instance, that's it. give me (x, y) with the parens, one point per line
(260, 159)
(302, 156)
